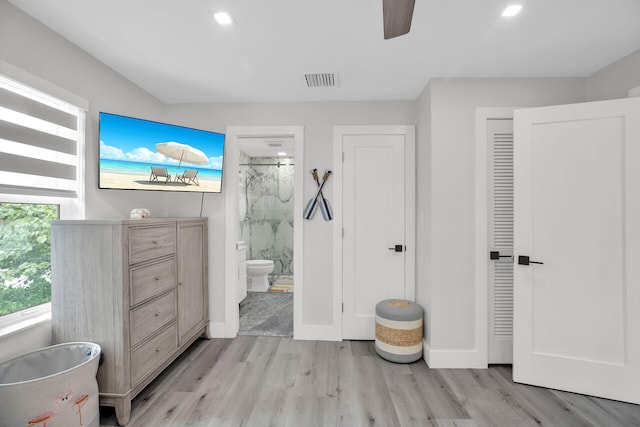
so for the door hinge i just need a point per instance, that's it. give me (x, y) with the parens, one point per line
(343, 157)
(343, 232)
(343, 307)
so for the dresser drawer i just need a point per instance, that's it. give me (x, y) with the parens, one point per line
(150, 317)
(152, 279)
(146, 357)
(146, 243)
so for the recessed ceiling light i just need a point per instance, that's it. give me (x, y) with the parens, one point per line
(223, 18)
(512, 10)
(282, 153)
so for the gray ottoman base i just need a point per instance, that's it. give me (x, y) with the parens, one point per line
(399, 358)
(399, 331)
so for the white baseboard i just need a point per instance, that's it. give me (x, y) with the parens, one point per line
(306, 332)
(316, 333)
(217, 330)
(453, 359)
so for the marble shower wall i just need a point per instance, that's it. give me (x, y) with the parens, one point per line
(266, 210)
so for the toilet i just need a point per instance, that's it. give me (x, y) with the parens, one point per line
(258, 271)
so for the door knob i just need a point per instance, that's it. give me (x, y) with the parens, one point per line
(496, 255)
(524, 260)
(396, 248)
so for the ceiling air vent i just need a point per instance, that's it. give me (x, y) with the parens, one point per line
(321, 79)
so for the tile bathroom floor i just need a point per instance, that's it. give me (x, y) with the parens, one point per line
(267, 314)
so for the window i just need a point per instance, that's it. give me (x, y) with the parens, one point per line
(41, 179)
(25, 255)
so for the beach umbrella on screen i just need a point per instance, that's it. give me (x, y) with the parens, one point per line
(182, 153)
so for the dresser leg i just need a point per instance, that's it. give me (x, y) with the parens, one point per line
(123, 410)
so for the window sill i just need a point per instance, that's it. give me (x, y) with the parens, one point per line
(18, 327)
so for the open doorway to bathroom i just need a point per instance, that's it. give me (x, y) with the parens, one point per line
(266, 171)
(235, 286)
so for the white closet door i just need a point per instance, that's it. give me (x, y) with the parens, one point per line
(577, 210)
(500, 138)
(374, 223)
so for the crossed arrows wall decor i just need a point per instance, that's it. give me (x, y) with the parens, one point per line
(312, 204)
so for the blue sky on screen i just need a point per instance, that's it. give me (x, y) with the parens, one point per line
(134, 140)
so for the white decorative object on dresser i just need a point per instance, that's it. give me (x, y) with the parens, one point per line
(138, 288)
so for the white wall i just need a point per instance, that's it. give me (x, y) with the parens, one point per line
(450, 279)
(26, 340)
(615, 80)
(34, 48)
(423, 208)
(318, 120)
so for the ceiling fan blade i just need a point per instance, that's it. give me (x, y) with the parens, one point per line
(397, 16)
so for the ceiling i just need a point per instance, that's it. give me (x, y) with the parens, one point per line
(176, 52)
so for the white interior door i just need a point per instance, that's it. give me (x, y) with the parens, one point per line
(500, 240)
(577, 210)
(373, 197)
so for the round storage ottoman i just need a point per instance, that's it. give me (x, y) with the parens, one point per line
(399, 330)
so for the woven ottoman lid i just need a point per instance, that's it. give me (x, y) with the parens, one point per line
(397, 309)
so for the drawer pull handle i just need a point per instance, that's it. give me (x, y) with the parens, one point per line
(157, 277)
(158, 350)
(155, 242)
(179, 283)
(157, 313)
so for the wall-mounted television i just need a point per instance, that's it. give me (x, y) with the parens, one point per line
(137, 154)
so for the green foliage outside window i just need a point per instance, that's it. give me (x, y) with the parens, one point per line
(25, 255)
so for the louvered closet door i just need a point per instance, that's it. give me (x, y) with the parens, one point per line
(500, 137)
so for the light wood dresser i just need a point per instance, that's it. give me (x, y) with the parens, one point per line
(138, 288)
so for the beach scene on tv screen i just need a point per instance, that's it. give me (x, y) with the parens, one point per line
(138, 154)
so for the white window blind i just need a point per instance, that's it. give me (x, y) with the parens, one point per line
(40, 142)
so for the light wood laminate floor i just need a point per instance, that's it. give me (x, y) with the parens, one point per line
(274, 381)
